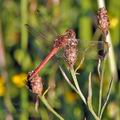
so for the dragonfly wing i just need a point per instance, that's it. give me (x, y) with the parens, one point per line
(49, 27)
(35, 33)
(93, 49)
(90, 50)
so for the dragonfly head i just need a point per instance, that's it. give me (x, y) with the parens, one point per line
(68, 38)
(70, 33)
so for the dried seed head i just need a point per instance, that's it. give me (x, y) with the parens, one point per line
(103, 20)
(70, 52)
(35, 84)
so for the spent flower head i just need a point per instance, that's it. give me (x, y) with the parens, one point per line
(103, 20)
(70, 50)
(35, 84)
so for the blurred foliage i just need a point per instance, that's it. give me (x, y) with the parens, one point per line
(21, 50)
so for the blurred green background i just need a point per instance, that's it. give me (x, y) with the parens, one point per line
(20, 52)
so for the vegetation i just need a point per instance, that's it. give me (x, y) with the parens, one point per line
(88, 88)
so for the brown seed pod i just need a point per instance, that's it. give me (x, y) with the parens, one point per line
(70, 50)
(103, 20)
(35, 84)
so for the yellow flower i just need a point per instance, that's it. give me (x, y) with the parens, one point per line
(2, 86)
(114, 22)
(112, 109)
(70, 97)
(19, 79)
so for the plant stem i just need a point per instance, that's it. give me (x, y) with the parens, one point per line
(111, 54)
(89, 99)
(43, 99)
(68, 81)
(101, 86)
(107, 98)
(91, 109)
(77, 85)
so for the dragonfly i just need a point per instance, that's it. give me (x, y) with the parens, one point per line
(60, 40)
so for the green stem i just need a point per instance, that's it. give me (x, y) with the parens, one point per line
(107, 98)
(89, 99)
(68, 81)
(77, 85)
(43, 99)
(101, 86)
(111, 54)
(91, 109)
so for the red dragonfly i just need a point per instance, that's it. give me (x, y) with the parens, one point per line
(60, 41)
